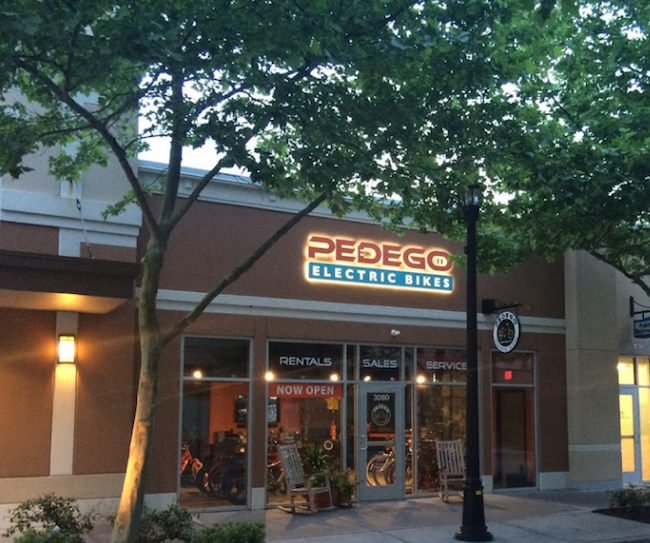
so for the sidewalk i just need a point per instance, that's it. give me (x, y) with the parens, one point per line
(522, 517)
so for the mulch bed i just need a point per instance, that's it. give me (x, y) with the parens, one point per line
(639, 514)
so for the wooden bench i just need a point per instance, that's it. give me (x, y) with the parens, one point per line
(451, 465)
(298, 484)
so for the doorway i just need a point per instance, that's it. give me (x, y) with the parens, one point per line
(381, 441)
(635, 434)
(514, 458)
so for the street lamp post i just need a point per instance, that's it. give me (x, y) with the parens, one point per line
(473, 527)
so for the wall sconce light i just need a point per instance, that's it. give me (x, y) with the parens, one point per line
(67, 349)
(395, 333)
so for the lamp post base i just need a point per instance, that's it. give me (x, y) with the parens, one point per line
(473, 527)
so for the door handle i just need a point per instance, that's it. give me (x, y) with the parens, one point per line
(363, 443)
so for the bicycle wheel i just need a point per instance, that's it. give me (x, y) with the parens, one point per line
(389, 474)
(215, 479)
(233, 483)
(374, 470)
(201, 481)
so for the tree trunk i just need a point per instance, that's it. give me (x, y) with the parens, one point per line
(132, 499)
(131, 503)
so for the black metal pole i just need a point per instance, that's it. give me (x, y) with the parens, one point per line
(473, 527)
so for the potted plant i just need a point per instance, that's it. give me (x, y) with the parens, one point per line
(314, 459)
(317, 467)
(343, 488)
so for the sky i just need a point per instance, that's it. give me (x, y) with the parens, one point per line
(202, 159)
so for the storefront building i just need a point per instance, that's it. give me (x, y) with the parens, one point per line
(344, 337)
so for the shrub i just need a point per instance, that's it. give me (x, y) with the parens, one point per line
(231, 532)
(631, 496)
(164, 525)
(47, 536)
(47, 512)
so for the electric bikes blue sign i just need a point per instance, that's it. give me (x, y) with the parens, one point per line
(371, 264)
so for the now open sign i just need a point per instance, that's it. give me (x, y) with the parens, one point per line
(306, 390)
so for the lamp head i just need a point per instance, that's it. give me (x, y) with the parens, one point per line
(67, 349)
(472, 197)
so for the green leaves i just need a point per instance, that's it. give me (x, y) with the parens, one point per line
(576, 167)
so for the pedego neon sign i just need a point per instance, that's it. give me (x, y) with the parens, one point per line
(377, 264)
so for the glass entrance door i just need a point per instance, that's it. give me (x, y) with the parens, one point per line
(631, 435)
(381, 463)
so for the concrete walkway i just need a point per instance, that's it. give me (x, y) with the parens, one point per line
(523, 517)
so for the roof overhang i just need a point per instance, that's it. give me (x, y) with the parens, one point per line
(59, 283)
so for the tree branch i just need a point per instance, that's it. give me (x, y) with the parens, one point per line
(618, 266)
(113, 144)
(239, 270)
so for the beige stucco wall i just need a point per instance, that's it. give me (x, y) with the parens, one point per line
(592, 351)
(99, 184)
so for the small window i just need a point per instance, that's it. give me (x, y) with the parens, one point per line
(380, 363)
(441, 366)
(643, 369)
(512, 369)
(215, 357)
(309, 361)
(625, 369)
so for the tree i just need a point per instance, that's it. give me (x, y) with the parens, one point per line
(577, 175)
(328, 101)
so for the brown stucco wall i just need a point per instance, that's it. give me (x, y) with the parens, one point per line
(29, 238)
(108, 252)
(27, 349)
(106, 373)
(215, 237)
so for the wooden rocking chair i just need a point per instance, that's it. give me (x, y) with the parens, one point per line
(451, 465)
(298, 484)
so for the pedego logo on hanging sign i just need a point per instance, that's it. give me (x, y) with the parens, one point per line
(506, 332)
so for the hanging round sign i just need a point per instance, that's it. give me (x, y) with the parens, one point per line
(506, 331)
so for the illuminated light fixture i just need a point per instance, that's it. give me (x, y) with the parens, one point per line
(367, 378)
(421, 379)
(67, 349)
(334, 377)
(197, 374)
(269, 376)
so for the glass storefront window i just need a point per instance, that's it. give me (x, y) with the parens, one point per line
(625, 368)
(213, 444)
(308, 390)
(351, 355)
(440, 366)
(214, 428)
(643, 370)
(205, 357)
(309, 361)
(377, 363)
(440, 415)
(644, 426)
(441, 412)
